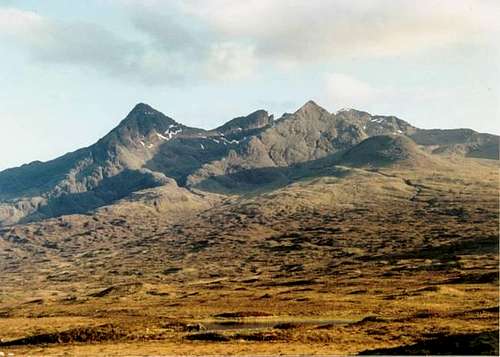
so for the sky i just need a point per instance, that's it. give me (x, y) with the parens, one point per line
(71, 70)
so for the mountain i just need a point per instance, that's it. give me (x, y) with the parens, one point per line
(315, 232)
(147, 149)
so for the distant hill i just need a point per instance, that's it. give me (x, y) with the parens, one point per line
(384, 150)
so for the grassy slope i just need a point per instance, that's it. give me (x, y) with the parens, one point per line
(418, 249)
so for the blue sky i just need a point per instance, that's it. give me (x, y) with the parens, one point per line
(71, 70)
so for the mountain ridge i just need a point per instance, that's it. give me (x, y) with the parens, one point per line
(147, 147)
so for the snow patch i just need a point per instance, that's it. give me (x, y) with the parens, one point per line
(377, 120)
(171, 132)
(234, 141)
(161, 136)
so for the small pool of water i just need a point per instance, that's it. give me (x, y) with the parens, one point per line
(253, 325)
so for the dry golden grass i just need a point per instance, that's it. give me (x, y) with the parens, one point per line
(370, 260)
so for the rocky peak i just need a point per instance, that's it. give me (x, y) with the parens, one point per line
(311, 109)
(142, 108)
(145, 114)
(256, 120)
(142, 121)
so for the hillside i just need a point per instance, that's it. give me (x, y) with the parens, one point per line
(386, 150)
(347, 260)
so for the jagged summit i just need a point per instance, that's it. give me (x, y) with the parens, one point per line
(311, 108)
(144, 112)
(142, 122)
(310, 104)
(142, 108)
(351, 111)
(256, 120)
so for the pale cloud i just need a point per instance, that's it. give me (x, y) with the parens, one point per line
(316, 30)
(18, 22)
(176, 32)
(230, 61)
(171, 55)
(347, 91)
(192, 40)
(290, 34)
(80, 44)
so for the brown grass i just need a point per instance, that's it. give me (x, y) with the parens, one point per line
(331, 265)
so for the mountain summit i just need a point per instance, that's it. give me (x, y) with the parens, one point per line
(147, 148)
(140, 123)
(310, 108)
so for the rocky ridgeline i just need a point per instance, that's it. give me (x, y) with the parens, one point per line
(148, 148)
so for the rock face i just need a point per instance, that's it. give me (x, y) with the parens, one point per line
(147, 148)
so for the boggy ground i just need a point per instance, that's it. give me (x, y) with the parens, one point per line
(384, 261)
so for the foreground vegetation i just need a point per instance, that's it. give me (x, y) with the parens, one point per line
(386, 260)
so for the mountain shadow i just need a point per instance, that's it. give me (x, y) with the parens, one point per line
(109, 190)
(374, 152)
